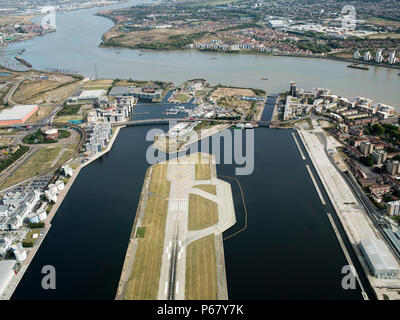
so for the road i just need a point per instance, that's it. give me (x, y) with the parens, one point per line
(10, 93)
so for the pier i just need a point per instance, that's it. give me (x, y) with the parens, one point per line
(316, 185)
(298, 146)
(357, 66)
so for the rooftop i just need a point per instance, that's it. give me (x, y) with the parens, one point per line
(17, 112)
(379, 254)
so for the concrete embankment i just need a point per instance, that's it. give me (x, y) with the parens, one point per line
(350, 212)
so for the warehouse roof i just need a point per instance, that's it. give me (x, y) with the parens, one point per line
(379, 254)
(90, 94)
(17, 112)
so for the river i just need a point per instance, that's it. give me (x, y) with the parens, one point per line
(75, 46)
(289, 249)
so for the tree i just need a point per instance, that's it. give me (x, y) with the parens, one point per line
(367, 160)
(378, 129)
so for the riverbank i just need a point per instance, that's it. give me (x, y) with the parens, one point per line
(32, 252)
(351, 214)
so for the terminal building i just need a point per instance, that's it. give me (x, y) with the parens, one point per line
(17, 114)
(379, 259)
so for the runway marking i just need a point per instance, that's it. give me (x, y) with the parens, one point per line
(178, 205)
(177, 287)
(166, 287)
(179, 255)
(169, 256)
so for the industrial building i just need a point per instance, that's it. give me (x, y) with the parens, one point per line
(379, 259)
(17, 114)
(87, 96)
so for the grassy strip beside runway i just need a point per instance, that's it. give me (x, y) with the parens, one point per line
(145, 275)
(203, 169)
(201, 272)
(159, 183)
(203, 213)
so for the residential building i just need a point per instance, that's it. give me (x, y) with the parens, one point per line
(292, 90)
(19, 252)
(393, 208)
(5, 245)
(50, 196)
(366, 147)
(367, 56)
(393, 167)
(379, 56)
(392, 57)
(379, 156)
(378, 189)
(67, 170)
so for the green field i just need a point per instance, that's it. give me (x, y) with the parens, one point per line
(37, 164)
